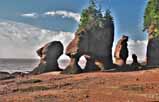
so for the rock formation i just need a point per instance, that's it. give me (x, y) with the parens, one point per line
(153, 46)
(135, 64)
(121, 51)
(151, 25)
(153, 51)
(93, 39)
(95, 42)
(72, 52)
(49, 55)
(91, 64)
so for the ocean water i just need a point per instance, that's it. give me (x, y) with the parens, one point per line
(26, 65)
(17, 65)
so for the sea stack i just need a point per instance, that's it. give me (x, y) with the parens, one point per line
(72, 51)
(94, 40)
(151, 25)
(121, 51)
(153, 45)
(49, 55)
(153, 52)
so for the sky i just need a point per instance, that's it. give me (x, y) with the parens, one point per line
(25, 25)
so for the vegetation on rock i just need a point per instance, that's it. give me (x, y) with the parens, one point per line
(151, 16)
(94, 15)
(95, 28)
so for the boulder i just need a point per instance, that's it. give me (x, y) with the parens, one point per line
(153, 52)
(49, 55)
(93, 41)
(121, 51)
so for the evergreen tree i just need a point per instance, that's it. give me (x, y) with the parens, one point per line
(99, 17)
(92, 5)
(84, 18)
(99, 12)
(94, 15)
(88, 14)
(108, 16)
(152, 16)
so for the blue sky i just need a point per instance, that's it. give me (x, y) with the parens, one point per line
(128, 14)
(26, 25)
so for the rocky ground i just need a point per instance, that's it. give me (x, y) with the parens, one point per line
(140, 86)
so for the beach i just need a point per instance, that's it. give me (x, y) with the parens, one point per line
(138, 86)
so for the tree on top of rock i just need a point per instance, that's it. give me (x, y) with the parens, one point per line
(93, 14)
(88, 14)
(108, 16)
(151, 17)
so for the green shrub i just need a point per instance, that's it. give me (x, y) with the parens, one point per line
(152, 16)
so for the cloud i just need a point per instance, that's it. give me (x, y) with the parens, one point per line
(30, 15)
(138, 47)
(64, 14)
(18, 40)
(22, 40)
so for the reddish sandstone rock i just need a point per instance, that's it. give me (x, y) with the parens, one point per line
(72, 48)
(49, 55)
(121, 51)
(153, 52)
(153, 46)
(72, 52)
(93, 41)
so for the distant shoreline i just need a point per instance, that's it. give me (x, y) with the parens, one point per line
(21, 58)
(12, 65)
